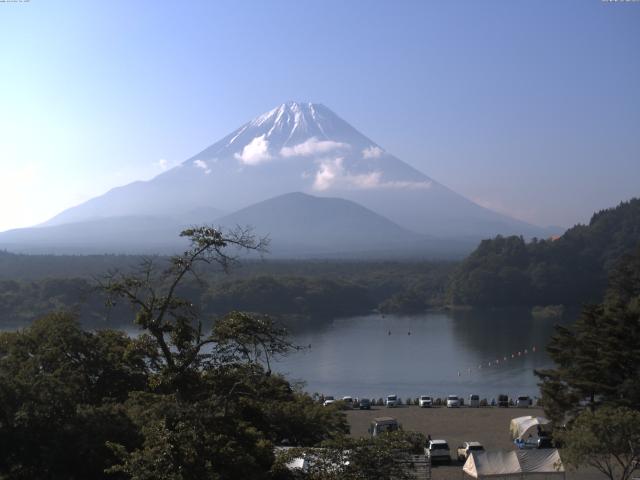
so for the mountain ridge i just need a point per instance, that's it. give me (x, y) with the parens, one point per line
(301, 147)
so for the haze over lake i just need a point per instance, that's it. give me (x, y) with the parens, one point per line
(357, 356)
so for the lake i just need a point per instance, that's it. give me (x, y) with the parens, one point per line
(435, 354)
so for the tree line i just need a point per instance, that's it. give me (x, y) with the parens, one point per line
(592, 393)
(569, 270)
(181, 401)
(355, 289)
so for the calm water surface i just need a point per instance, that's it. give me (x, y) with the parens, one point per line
(445, 353)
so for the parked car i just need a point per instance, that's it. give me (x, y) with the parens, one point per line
(474, 401)
(503, 401)
(466, 448)
(425, 401)
(383, 424)
(348, 402)
(364, 404)
(438, 451)
(328, 400)
(453, 401)
(523, 402)
(391, 401)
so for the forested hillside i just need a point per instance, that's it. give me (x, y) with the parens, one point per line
(293, 291)
(570, 270)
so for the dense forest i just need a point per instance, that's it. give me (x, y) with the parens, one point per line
(172, 403)
(292, 291)
(501, 272)
(569, 270)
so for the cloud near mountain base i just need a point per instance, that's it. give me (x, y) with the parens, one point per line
(331, 173)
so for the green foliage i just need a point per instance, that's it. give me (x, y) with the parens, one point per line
(60, 389)
(294, 292)
(254, 337)
(192, 440)
(290, 295)
(570, 270)
(172, 403)
(607, 439)
(598, 359)
(382, 457)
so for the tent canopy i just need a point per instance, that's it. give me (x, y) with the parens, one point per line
(515, 464)
(521, 425)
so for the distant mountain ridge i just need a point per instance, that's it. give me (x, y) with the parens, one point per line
(300, 223)
(296, 147)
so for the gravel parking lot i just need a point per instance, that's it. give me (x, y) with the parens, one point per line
(489, 426)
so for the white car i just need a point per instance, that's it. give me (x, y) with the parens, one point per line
(453, 401)
(425, 401)
(438, 451)
(328, 400)
(391, 401)
(523, 402)
(474, 401)
(348, 401)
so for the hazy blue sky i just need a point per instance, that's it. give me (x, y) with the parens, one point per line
(530, 108)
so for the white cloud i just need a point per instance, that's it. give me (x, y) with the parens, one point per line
(312, 147)
(255, 152)
(331, 173)
(372, 152)
(327, 173)
(163, 164)
(202, 165)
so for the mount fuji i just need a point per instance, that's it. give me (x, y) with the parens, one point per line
(296, 147)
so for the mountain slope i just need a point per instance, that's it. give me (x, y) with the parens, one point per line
(301, 223)
(125, 234)
(301, 147)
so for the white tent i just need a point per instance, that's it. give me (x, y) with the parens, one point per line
(520, 464)
(521, 425)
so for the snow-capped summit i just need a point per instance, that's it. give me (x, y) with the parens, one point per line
(294, 122)
(300, 147)
(290, 129)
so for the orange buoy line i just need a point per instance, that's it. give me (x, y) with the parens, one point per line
(501, 359)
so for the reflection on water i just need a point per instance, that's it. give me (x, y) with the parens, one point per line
(434, 353)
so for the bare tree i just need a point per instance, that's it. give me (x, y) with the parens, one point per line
(169, 321)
